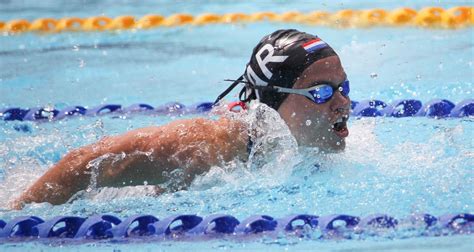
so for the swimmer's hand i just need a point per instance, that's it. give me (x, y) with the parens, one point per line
(139, 156)
(16, 204)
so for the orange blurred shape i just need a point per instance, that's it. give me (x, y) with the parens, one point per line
(17, 25)
(345, 18)
(43, 25)
(373, 16)
(122, 23)
(457, 16)
(96, 23)
(149, 21)
(207, 18)
(235, 17)
(69, 24)
(178, 19)
(317, 17)
(429, 16)
(290, 16)
(260, 16)
(401, 16)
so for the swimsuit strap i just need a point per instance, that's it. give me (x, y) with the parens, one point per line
(236, 104)
(232, 107)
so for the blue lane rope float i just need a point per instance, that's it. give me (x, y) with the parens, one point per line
(27, 228)
(436, 108)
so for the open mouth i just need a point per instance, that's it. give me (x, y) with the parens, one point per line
(340, 127)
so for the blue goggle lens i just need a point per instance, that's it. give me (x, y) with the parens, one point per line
(323, 93)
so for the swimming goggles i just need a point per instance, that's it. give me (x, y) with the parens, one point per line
(319, 94)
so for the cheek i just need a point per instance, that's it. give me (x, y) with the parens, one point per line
(311, 114)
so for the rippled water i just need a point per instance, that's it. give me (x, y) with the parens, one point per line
(393, 166)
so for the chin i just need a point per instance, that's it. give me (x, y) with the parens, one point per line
(335, 147)
(330, 146)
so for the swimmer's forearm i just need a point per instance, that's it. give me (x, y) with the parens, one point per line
(62, 180)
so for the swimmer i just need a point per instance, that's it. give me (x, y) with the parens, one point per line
(297, 75)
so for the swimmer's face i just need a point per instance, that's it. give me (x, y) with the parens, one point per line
(310, 123)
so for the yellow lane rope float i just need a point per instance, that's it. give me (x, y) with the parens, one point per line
(429, 17)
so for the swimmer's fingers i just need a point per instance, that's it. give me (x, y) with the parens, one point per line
(16, 204)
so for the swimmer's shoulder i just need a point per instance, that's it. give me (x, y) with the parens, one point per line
(223, 128)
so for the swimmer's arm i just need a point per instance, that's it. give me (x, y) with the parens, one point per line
(194, 145)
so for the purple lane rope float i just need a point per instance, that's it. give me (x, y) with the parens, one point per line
(191, 226)
(436, 108)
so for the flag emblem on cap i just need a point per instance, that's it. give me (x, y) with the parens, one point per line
(314, 45)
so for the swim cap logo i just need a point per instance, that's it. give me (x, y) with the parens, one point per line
(314, 45)
(262, 63)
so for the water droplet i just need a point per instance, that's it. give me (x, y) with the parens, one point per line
(308, 122)
(49, 107)
(374, 75)
(75, 48)
(82, 63)
(338, 143)
(293, 114)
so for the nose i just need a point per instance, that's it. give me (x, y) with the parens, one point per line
(340, 103)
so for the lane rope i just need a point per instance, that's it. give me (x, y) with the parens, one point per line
(435, 108)
(191, 226)
(428, 17)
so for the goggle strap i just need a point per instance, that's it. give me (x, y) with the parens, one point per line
(304, 92)
(230, 88)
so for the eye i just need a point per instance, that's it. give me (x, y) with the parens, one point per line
(325, 92)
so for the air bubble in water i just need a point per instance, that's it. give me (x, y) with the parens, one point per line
(374, 75)
(308, 122)
(338, 143)
(418, 77)
(75, 48)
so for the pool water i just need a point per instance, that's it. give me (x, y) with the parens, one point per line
(397, 166)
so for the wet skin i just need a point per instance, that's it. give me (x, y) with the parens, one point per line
(310, 123)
